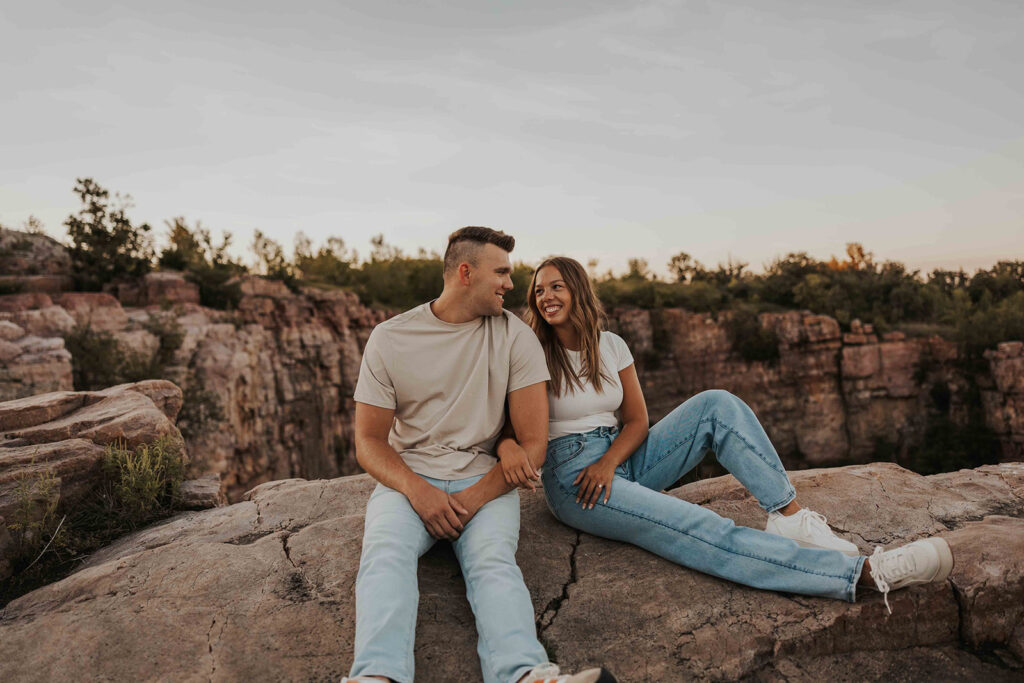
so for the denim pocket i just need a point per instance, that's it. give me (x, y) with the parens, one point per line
(563, 452)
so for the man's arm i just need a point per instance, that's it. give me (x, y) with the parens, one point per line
(528, 413)
(439, 511)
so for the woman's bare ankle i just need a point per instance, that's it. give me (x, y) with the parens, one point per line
(790, 508)
(865, 574)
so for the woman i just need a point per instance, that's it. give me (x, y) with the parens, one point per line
(606, 476)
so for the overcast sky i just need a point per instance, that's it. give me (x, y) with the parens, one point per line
(600, 130)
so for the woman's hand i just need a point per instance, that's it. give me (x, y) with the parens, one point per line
(516, 466)
(594, 481)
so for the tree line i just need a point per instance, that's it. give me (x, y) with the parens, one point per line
(978, 309)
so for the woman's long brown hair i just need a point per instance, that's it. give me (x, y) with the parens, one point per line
(585, 315)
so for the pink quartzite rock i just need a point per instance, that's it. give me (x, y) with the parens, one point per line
(96, 310)
(10, 303)
(65, 433)
(262, 590)
(159, 288)
(1004, 402)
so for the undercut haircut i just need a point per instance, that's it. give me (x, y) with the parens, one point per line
(465, 243)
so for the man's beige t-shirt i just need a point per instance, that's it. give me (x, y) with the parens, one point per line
(447, 384)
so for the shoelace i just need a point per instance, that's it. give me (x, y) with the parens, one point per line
(812, 522)
(895, 564)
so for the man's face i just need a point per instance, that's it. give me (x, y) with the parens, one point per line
(490, 280)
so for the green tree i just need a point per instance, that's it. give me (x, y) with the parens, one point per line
(105, 246)
(205, 262)
(184, 248)
(332, 264)
(271, 261)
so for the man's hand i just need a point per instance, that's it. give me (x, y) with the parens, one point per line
(516, 466)
(439, 511)
(470, 505)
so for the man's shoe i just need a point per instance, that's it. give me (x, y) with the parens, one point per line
(810, 530)
(924, 561)
(549, 673)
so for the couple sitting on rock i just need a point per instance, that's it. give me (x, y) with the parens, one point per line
(430, 409)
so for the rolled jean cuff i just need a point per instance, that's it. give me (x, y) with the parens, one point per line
(385, 671)
(858, 568)
(522, 671)
(786, 500)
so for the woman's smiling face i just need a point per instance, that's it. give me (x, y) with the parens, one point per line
(554, 300)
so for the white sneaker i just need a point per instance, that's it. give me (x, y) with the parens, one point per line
(362, 679)
(924, 561)
(549, 673)
(810, 530)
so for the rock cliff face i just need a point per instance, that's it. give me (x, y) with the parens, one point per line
(263, 590)
(1003, 397)
(830, 397)
(284, 369)
(283, 366)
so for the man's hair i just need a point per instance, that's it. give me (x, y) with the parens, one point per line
(465, 243)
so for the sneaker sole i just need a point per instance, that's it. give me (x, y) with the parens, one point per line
(945, 558)
(804, 544)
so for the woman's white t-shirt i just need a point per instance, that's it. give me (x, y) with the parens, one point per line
(584, 410)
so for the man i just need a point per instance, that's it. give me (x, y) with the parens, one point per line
(429, 408)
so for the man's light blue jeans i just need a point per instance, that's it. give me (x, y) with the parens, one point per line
(687, 534)
(387, 595)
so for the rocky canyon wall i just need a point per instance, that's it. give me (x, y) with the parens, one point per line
(283, 366)
(830, 397)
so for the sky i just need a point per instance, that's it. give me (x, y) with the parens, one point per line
(738, 130)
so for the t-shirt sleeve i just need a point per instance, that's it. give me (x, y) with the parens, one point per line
(374, 386)
(623, 358)
(526, 363)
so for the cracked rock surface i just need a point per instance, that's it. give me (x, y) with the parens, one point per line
(263, 590)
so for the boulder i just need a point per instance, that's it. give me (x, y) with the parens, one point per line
(262, 590)
(65, 433)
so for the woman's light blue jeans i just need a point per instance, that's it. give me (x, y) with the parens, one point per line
(687, 534)
(387, 594)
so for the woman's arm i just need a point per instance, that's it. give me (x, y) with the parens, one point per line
(597, 479)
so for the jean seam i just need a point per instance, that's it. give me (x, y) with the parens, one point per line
(713, 545)
(746, 443)
(491, 653)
